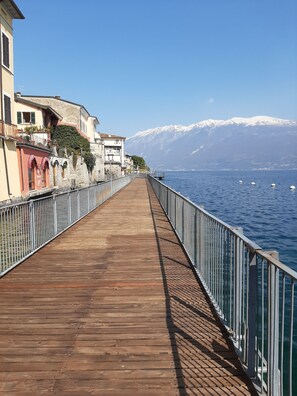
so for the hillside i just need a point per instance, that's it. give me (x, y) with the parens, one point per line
(238, 143)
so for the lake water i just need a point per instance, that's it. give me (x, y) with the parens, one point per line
(268, 215)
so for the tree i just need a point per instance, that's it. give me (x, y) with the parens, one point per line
(139, 163)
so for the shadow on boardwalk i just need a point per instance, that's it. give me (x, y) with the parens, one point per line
(112, 308)
(205, 360)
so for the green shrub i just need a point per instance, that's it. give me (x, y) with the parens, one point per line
(90, 160)
(69, 138)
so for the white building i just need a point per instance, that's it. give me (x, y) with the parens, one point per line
(114, 155)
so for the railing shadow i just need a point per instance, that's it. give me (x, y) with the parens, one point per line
(204, 356)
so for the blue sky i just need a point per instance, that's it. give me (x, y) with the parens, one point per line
(139, 64)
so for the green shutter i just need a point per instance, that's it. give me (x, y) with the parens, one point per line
(33, 117)
(5, 50)
(19, 115)
(7, 109)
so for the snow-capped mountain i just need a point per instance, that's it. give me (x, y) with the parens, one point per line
(239, 143)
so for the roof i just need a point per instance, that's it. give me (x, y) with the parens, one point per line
(13, 9)
(96, 119)
(108, 136)
(58, 98)
(39, 105)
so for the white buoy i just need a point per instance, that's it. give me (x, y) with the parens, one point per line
(273, 185)
(292, 188)
(253, 183)
(240, 181)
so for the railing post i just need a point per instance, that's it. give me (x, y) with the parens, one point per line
(55, 216)
(78, 204)
(69, 209)
(273, 327)
(32, 225)
(252, 314)
(167, 211)
(195, 239)
(175, 211)
(202, 245)
(183, 222)
(238, 289)
(88, 199)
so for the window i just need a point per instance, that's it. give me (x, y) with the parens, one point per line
(83, 127)
(45, 175)
(26, 117)
(32, 175)
(5, 50)
(7, 109)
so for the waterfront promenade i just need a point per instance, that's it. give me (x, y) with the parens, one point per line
(112, 307)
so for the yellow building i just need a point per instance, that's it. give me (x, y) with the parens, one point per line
(9, 172)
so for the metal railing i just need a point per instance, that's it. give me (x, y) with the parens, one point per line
(33, 139)
(27, 226)
(252, 291)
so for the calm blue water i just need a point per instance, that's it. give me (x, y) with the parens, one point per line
(268, 215)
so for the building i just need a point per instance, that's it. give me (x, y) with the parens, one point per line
(35, 150)
(114, 155)
(9, 175)
(44, 111)
(129, 164)
(72, 114)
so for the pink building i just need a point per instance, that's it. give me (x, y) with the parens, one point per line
(34, 169)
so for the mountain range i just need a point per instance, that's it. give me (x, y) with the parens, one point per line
(238, 143)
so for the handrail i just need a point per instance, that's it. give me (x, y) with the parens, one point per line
(27, 226)
(253, 292)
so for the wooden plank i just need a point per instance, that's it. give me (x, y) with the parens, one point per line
(112, 307)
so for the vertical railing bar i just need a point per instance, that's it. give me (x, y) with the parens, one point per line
(291, 340)
(201, 243)
(216, 259)
(9, 233)
(252, 314)
(175, 211)
(32, 225)
(183, 222)
(78, 204)
(276, 332)
(243, 329)
(88, 190)
(282, 333)
(55, 216)
(195, 238)
(230, 246)
(69, 209)
(262, 326)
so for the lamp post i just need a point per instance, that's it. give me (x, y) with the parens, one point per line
(110, 158)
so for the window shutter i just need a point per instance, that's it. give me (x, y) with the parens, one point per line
(5, 50)
(19, 116)
(33, 117)
(7, 109)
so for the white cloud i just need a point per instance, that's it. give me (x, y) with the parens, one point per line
(210, 100)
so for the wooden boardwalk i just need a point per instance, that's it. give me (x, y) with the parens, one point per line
(112, 307)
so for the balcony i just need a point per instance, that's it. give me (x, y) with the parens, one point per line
(9, 131)
(40, 139)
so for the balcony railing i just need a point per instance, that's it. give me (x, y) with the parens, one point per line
(34, 139)
(8, 130)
